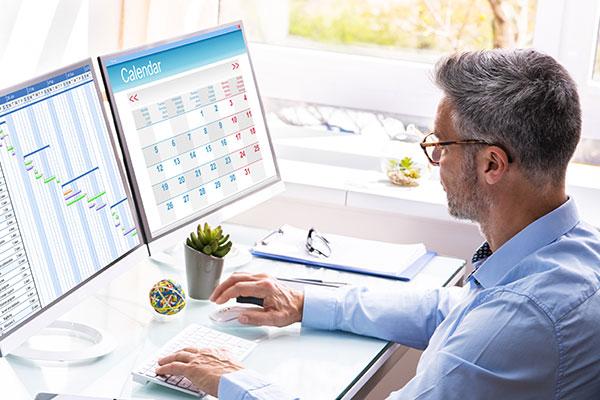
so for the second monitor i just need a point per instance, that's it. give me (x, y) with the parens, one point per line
(192, 129)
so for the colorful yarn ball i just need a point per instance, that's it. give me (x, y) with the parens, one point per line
(167, 297)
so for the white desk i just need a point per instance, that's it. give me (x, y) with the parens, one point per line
(307, 362)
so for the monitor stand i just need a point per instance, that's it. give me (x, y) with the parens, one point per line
(66, 341)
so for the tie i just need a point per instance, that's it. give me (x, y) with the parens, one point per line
(482, 253)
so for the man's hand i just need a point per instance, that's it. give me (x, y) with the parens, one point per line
(281, 305)
(203, 367)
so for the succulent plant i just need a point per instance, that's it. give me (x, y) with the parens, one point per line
(406, 166)
(403, 172)
(210, 241)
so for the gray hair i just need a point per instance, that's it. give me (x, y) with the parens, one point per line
(520, 99)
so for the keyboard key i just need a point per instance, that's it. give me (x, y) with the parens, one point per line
(185, 383)
(174, 380)
(194, 388)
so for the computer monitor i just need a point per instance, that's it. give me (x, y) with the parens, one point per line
(67, 222)
(192, 129)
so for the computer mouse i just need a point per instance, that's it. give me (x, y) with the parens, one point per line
(228, 316)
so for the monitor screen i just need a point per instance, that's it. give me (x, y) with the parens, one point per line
(191, 126)
(65, 212)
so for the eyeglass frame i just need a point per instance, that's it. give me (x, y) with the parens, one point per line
(425, 145)
(311, 249)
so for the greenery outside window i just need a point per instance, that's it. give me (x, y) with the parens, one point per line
(413, 29)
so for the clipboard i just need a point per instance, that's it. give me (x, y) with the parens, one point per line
(387, 260)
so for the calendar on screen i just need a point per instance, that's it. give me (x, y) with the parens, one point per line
(190, 122)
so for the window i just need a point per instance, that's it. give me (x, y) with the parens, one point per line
(415, 29)
(414, 26)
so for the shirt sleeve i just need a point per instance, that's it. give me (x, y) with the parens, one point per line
(504, 348)
(408, 316)
(246, 384)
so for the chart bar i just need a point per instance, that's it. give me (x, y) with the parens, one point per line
(36, 151)
(80, 176)
(118, 202)
(76, 200)
(73, 195)
(96, 197)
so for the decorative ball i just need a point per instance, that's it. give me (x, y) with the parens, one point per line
(167, 297)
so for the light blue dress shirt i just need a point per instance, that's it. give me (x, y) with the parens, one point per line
(525, 326)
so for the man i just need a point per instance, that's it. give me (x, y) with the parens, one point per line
(526, 324)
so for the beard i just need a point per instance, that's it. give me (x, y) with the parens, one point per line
(466, 199)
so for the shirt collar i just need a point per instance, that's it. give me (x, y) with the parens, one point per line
(534, 236)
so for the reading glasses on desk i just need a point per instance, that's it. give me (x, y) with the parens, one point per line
(316, 244)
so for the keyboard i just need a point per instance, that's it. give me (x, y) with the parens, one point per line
(192, 336)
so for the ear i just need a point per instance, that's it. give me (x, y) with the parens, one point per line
(494, 164)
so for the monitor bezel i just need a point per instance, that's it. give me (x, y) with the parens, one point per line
(35, 322)
(274, 184)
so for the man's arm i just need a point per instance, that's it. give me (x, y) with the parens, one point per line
(406, 315)
(505, 348)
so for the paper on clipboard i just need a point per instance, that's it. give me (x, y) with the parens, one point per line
(397, 261)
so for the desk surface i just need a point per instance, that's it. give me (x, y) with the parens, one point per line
(290, 356)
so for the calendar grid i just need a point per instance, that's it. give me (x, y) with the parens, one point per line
(203, 164)
(189, 167)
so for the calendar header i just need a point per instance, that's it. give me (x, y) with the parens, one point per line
(146, 66)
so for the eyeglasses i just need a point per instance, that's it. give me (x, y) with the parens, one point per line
(317, 245)
(432, 147)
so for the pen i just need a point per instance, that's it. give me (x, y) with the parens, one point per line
(320, 281)
(317, 282)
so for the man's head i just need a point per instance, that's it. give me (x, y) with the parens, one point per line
(521, 101)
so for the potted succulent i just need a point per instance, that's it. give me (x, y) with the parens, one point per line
(403, 172)
(204, 252)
